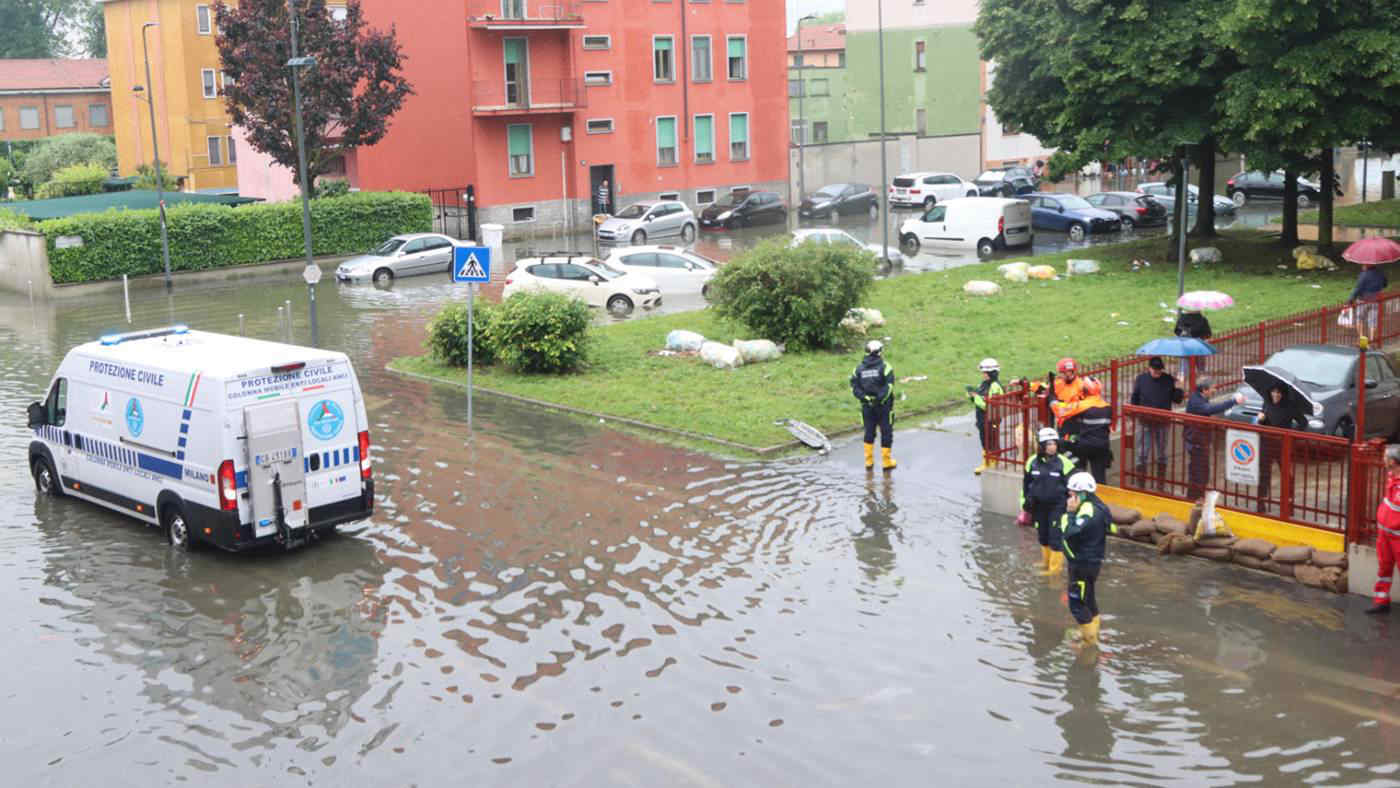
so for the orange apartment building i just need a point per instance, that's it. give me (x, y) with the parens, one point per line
(46, 97)
(187, 88)
(536, 103)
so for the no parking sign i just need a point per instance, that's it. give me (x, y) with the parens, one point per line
(1242, 456)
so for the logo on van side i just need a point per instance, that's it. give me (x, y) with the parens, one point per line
(135, 418)
(325, 420)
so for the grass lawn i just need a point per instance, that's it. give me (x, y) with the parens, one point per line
(1384, 213)
(933, 329)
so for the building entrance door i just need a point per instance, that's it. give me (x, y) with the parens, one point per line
(598, 174)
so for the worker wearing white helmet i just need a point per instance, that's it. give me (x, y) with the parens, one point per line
(988, 387)
(1043, 490)
(872, 383)
(1084, 528)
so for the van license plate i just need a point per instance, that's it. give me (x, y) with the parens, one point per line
(278, 455)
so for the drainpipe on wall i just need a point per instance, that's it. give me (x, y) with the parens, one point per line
(683, 53)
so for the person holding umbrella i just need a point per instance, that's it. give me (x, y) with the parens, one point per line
(1191, 322)
(1365, 297)
(1281, 409)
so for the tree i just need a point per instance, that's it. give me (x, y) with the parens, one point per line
(52, 154)
(35, 28)
(146, 178)
(347, 97)
(92, 26)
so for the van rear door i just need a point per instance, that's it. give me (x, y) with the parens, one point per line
(330, 425)
(1017, 216)
(276, 470)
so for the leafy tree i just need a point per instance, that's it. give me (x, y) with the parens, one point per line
(73, 181)
(34, 28)
(146, 178)
(347, 97)
(92, 28)
(52, 154)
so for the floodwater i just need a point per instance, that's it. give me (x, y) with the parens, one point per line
(544, 601)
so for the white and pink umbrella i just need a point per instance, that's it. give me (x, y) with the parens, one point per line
(1198, 300)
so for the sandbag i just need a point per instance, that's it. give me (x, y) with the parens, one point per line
(1206, 254)
(1213, 553)
(1335, 579)
(861, 319)
(1309, 575)
(1081, 267)
(1293, 554)
(1167, 524)
(1041, 272)
(1121, 515)
(720, 355)
(1014, 272)
(981, 287)
(1257, 549)
(1142, 530)
(752, 351)
(1329, 558)
(1279, 568)
(1247, 560)
(683, 341)
(1176, 544)
(1218, 540)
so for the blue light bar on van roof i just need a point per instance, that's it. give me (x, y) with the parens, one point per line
(117, 339)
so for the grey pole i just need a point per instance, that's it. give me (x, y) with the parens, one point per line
(1181, 231)
(155, 154)
(884, 173)
(471, 299)
(801, 116)
(297, 63)
(1365, 166)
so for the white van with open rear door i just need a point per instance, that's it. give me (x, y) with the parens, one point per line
(982, 223)
(217, 439)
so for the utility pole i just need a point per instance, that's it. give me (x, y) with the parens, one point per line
(801, 118)
(312, 273)
(884, 172)
(155, 153)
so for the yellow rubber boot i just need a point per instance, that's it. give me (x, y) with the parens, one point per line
(1089, 633)
(1057, 562)
(869, 456)
(888, 462)
(978, 470)
(1044, 567)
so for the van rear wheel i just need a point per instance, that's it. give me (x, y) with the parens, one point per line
(910, 244)
(177, 528)
(45, 480)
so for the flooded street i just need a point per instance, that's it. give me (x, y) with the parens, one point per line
(548, 602)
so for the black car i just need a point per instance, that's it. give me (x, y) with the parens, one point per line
(1135, 210)
(1006, 182)
(744, 209)
(1255, 185)
(840, 199)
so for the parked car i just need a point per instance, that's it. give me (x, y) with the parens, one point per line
(402, 255)
(1070, 213)
(982, 223)
(649, 219)
(840, 199)
(1327, 374)
(927, 188)
(1133, 209)
(841, 237)
(587, 278)
(745, 209)
(675, 270)
(1165, 195)
(1006, 182)
(1255, 185)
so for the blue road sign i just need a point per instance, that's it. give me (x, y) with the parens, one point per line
(471, 264)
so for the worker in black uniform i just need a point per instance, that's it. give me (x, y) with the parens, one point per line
(1043, 490)
(872, 383)
(1084, 529)
(989, 387)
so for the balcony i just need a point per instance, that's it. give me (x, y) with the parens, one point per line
(539, 97)
(508, 15)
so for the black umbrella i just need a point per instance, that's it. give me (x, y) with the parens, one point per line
(1264, 379)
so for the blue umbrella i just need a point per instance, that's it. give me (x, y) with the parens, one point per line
(1176, 347)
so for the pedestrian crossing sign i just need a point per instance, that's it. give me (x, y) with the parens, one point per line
(471, 264)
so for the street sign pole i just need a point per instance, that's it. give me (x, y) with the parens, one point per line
(471, 299)
(471, 264)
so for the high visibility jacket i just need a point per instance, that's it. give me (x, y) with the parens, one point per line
(989, 387)
(1069, 391)
(1045, 479)
(873, 380)
(1388, 513)
(1085, 531)
(1087, 421)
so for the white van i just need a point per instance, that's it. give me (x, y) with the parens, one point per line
(219, 439)
(982, 223)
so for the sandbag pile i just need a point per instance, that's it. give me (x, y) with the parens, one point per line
(1307, 565)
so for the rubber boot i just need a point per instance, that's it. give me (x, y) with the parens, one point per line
(887, 462)
(1089, 633)
(1044, 568)
(869, 456)
(1378, 608)
(1057, 562)
(978, 470)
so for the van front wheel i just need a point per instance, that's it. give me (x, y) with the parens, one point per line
(177, 528)
(45, 480)
(986, 248)
(910, 244)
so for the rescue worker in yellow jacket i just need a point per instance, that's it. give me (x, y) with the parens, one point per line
(1043, 491)
(989, 386)
(1084, 530)
(872, 383)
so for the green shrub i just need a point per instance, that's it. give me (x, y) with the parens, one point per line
(9, 220)
(52, 154)
(447, 335)
(146, 178)
(795, 296)
(331, 188)
(540, 332)
(74, 181)
(204, 236)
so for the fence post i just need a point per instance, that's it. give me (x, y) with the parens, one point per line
(1322, 325)
(1286, 470)
(1380, 322)
(1113, 389)
(1262, 354)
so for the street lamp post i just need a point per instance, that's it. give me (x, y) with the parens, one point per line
(801, 118)
(884, 173)
(155, 155)
(1365, 166)
(312, 273)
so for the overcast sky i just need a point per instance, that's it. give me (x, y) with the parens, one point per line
(797, 9)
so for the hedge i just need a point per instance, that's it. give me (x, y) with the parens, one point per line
(204, 237)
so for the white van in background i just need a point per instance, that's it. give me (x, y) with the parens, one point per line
(982, 223)
(230, 441)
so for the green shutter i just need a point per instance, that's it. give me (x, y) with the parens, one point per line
(519, 140)
(738, 128)
(662, 44)
(736, 47)
(665, 132)
(515, 51)
(705, 135)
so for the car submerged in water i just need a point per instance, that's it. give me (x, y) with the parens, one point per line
(1327, 375)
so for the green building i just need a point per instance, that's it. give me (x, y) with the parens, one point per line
(817, 85)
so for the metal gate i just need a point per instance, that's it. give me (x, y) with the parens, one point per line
(454, 211)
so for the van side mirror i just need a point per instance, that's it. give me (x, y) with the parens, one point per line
(595, 279)
(36, 415)
(1372, 383)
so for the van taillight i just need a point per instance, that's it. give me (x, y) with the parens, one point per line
(228, 487)
(1001, 225)
(365, 471)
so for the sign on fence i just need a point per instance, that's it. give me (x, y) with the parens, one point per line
(1242, 457)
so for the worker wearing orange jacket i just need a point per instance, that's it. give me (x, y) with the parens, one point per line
(1088, 422)
(1387, 531)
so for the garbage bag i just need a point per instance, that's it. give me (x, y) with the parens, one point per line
(1081, 267)
(861, 319)
(1293, 554)
(1308, 259)
(755, 350)
(1041, 272)
(981, 287)
(684, 341)
(1206, 254)
(1014, 272)
(720, 355)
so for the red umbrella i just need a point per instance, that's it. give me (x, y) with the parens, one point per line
(1372, 251)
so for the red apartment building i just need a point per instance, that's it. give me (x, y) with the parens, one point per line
(536, 103)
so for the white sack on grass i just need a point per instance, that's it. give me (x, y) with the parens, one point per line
(720, 355)
(1080, 267)
(753, 351)
(1206, 254)
(681, 340)
(979, 287)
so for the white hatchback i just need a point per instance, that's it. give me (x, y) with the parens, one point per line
(677, 271)
(586, 278)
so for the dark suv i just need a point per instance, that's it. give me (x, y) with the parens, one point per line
(1255, 185)
(1006, 182)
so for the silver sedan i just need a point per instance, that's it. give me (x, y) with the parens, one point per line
(402, 255)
